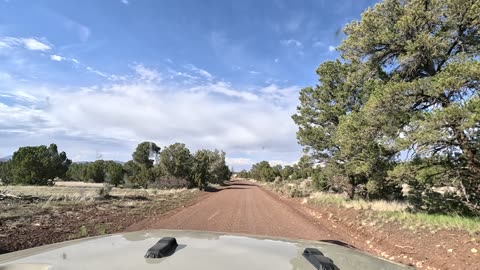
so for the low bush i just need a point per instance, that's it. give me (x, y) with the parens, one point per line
(168, 182)
(105, 190)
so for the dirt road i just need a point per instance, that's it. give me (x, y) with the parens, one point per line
(242, 207)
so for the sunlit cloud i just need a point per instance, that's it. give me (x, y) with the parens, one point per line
(57, 58)
(207, 115)
(199, 71)
(32, 44)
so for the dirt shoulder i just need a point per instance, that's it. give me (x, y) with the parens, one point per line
(55, 218)
(418, 246)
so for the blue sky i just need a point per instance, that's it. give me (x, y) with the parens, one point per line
(97, 77)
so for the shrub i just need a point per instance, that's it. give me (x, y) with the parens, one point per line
(432, 202)
(167, 182)
(105, 190)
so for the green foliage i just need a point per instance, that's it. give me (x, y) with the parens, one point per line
(218, 170)
(277, 169)
(113, 173)
(144, 152)
(425, 174)
(408, 80)
(35, 165)
(304, 167)
(177, 169)
(95, 171)
(176, 161)
(98, 171)
(144, 177)
(243, 174)
(140, 171)
(131, 171)
(200, 168)
(319, 181)
(77, 172)
(262, 171)
(286, 172)
(6, 176)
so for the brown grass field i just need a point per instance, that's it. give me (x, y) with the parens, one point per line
(38, 215)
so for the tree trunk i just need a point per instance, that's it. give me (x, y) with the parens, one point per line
(353, 187)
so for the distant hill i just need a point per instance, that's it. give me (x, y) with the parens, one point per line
(7, 158)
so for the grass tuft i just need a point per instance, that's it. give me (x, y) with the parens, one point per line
(435, 221)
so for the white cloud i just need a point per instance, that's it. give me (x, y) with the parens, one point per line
(199, 71)
(282, 162)
(147, 73)
(214, 115)
(35, 45)
(242, 162)
(99, 73)
(57, 58)
(225, 89)
(291, 43)
(254, 72)
(27, 43)
(253, 123)
(175, 73)
(3, 44)
(331, 48)
(279, 94)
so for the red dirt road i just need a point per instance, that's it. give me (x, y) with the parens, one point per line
(242, 207)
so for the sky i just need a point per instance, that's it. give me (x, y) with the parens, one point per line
(99, 77)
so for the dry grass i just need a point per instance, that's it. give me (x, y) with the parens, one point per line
(45, 198)
(293, 189)
(51, 214)
(77, 184)
(340, 200)
(388, 211)
(85, 192)
(380, 210)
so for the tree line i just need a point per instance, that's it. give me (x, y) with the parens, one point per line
(172, 167)
(400, 105)
(263, 171)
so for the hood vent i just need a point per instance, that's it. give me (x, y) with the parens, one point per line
(163, 248)
(318, 260)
